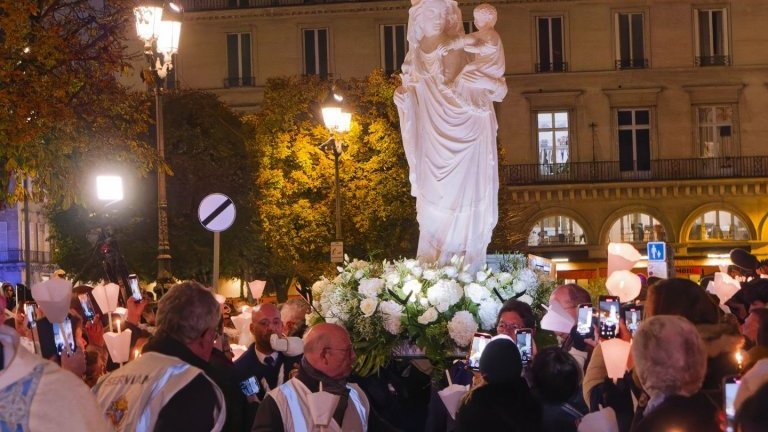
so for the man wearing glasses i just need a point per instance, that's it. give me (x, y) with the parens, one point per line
(319, 396)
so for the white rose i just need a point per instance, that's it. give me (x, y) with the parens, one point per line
(392, 313)
(368, 306)
(462, 328)
(476, 293)
(481, 276)
(465, 277)
(370, 287)
(417, 271)
(504, 278)
(430, 315)
(491, 283)
(393, 279)
(429, 275)
(359, 274)
(450, 271)
(412, 286)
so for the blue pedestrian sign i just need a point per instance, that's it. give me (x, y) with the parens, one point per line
(657, 251)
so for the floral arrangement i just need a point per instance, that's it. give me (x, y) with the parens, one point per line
(389, 305)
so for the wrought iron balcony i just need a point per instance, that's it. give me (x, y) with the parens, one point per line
(239, 82)
(610, 171)
(720, 60)
(552, 67)
(17, 256)
(207, 5)
(632, 64)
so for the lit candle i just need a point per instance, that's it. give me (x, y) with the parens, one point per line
(136, 354)
(118, 325)
(739, 359)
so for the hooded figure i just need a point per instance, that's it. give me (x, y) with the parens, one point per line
(503, 402)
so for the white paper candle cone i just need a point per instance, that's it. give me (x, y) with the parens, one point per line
(615, 354)
(242, 323)
(557, 319)
(257, 288)
(451, 397)
(599, 421)
(118, 345)
(625, 284)
(53, 296)
(621, 256)
(220, 298)
(321, 406)
(237, 350)
(106, 296)
(724, 287)
(121, 311)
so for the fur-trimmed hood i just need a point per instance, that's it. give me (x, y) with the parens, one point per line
(720, 338)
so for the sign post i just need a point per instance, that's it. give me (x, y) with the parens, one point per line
(657, 260)
(216, 213)
(337, 251)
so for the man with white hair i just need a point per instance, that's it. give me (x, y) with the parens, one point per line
(170, 387)
(293, 314)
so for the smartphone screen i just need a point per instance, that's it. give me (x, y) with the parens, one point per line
(633, 315)
(524, 341)
(133, 281)
(88, 312)
(476, 350)
(609, 316)
(584, 322)
(63, 337)
(731, 386)
(30, 310)
(250, 386)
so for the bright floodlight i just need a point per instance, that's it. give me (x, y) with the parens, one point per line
(109, 188)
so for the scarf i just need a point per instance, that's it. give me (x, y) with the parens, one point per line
(308, 373)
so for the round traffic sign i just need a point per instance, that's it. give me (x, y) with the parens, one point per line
(216, 212)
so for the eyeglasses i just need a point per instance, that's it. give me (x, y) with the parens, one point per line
(507, 326)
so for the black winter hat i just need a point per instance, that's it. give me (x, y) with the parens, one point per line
(500, 362)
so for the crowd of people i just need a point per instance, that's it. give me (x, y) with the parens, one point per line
(692, 367)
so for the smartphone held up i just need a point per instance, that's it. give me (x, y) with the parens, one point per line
(609, 310)
(133, 282)
(524, 342)
(584, 319)
(479, 341)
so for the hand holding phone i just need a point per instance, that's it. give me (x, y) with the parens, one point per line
(633, 315)
(730, 388)
(133, 282)
(524, 342)
(64, 338)
(479, 341)
(89, 313)
(609, 314)
(30, 310)
(584, 321)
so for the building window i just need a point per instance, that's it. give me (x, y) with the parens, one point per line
(630, 41)
(711, 26)
(636, 228)
(553, 141)
(556, 231)
(393, 47)
(719, 225)
(550, 45)
(239, 60)
(316, 52)
(634, 136)
(715, 130)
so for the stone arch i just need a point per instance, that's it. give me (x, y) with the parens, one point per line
(636, 208)
(559, 211)
(718, 206)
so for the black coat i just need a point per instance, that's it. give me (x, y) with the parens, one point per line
(500, 407)
(248, 365)
(684, 414)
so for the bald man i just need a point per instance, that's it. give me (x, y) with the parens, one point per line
(328, 359)
(269, 367)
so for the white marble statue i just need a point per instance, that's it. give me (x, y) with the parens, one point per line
(450, 81)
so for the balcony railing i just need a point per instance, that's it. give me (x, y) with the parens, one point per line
(631, 64)
(720, 60)
(552, 67)
(17, 256)
(205, 5)
(239, 82)
(609, 171)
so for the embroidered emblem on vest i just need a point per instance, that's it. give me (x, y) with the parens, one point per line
(16, 400)
(116, 411)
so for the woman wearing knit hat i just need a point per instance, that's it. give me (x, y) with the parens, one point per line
(503, 402)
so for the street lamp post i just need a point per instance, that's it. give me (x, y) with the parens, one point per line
(337, 122)
(158, 24)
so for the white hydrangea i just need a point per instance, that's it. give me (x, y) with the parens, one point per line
(320, 286)
(368, 306)
(504, 278)
(526, 280)
(333, 304)
(392, 314)
(444, 294)
(488, 313)
(412, 286)
(475, 292)
(370, 287)
(462, 328)
(429, 315)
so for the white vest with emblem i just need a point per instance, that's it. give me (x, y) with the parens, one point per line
(133, 395)
(291, 400)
